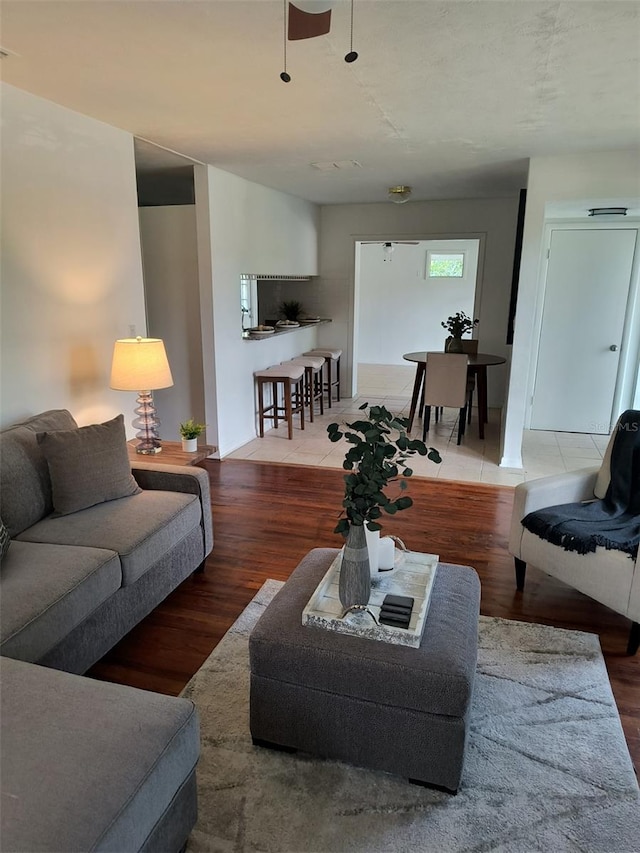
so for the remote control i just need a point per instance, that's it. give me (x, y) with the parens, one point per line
(398, 601)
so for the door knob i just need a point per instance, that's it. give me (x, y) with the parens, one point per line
(614, 347)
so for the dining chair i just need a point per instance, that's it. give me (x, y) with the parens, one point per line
(445, 384)
(470, 347)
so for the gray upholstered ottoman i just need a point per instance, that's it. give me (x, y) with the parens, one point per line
(374, 704)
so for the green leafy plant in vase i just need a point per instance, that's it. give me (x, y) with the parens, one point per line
(457, 326)
(190, 432)
(379, 455)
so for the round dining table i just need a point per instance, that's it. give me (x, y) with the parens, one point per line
(477, 365)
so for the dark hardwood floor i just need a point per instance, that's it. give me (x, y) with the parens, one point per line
(267, 516)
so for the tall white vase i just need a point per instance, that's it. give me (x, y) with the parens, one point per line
(373, 544)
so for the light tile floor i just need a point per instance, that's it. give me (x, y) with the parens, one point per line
(473, 461)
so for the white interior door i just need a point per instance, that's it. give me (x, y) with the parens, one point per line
(585, 301)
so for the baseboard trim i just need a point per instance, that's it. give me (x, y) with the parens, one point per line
(511, 462)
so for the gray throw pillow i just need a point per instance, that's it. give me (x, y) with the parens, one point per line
(88, 465)
(5, 540)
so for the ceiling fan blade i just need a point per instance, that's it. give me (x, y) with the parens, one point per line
(308, 23)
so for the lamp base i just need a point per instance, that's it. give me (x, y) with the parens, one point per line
(147, 424)
(147, 451)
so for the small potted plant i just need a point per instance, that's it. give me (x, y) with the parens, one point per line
(190, 430)
(378, 456)
(457, 326)
(290, 310)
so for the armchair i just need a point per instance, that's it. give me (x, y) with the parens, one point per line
(608, 576)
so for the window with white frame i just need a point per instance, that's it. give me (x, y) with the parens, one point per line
(249, 301)
(445, 265)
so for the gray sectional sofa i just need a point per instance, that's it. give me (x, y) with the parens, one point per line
(87, 765)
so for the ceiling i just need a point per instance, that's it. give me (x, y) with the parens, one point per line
(449, 96)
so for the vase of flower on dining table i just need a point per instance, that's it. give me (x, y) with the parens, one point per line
(457, 325)
(454, 344)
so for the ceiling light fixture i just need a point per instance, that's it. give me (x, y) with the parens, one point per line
(399, 194)
(608, 211)
(306, 19)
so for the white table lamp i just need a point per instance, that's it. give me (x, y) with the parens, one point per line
(140, 364)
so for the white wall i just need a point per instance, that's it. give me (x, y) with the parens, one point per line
(594, 179)
(71, 272)
(252, 229)
(172, 290)
(493, 221)
(386, 281)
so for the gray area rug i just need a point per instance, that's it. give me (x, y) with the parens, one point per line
(547, 766)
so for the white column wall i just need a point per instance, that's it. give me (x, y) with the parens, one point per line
(252, 229)
(172, 289)
(594, 179)
(71, 271)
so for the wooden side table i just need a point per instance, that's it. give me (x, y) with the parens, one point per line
(171, 454)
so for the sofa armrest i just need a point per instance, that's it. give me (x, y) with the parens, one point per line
(571, 487)
(179, 478)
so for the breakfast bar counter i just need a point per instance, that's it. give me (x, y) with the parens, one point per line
(282, 330)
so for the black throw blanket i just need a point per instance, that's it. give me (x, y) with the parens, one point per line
(613, 522)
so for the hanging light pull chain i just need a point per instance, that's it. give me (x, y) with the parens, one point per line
(286, 78)
(352, 55)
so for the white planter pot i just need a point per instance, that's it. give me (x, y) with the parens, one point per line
(381, 552)
(386, 554)
(189, 445)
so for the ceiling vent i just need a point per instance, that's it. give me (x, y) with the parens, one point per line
(279, 277)
(608, 211)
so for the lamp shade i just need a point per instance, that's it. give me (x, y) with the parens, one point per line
(140, 364)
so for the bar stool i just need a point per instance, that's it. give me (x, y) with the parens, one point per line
(291, 377)
(314, 389)
(331, 356)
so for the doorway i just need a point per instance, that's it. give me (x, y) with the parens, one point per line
(582, 343)
(170, 247)
(406, 289)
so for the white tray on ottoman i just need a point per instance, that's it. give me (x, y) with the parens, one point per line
(413, 575)
(378, 705)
